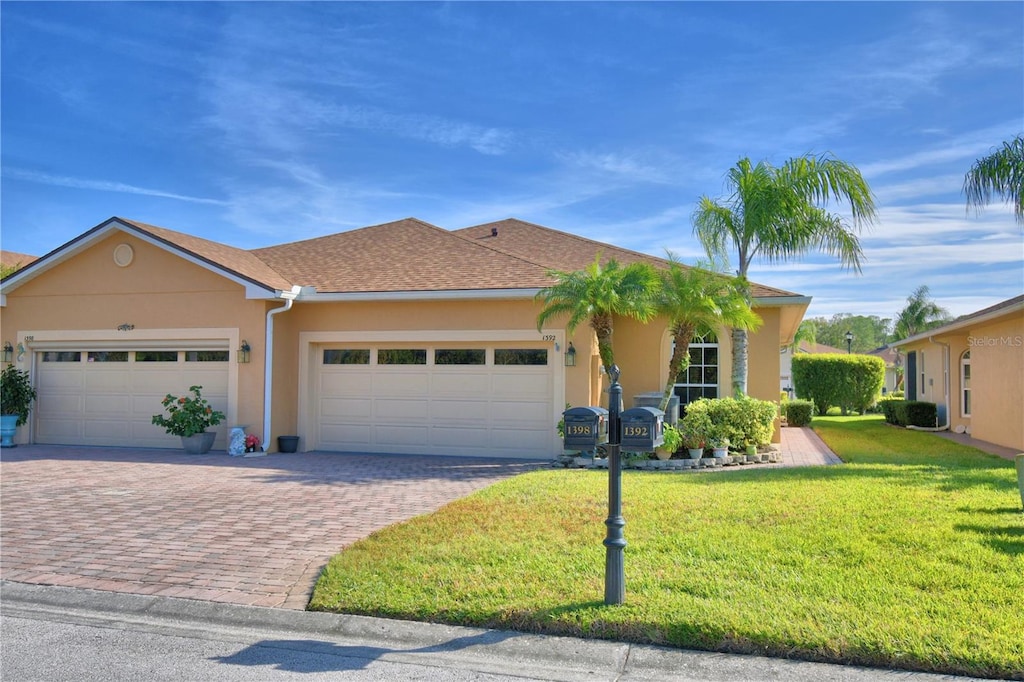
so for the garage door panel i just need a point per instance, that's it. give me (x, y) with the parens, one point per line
(346, 407)
(109, 406)
(100, 378)
(534, 385)
(107, 429)
(59, 428)
(461, 384)
(59, 378)
(55, 404)
(393, 381)
(356, 434)
(461, 410)
(398, 410)
(335, 382)
(467, 437)
(400, 438)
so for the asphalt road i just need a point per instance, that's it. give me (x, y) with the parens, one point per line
(56, 633)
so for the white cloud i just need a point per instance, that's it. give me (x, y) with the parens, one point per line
(101, 185)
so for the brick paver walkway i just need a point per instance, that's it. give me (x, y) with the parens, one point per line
(802, 447)
(213, 527)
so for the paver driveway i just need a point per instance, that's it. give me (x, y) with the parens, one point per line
(213, 527)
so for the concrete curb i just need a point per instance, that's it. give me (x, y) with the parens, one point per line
(462, 648)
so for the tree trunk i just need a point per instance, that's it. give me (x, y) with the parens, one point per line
(602, 326)
(680, 360)
(739, 362)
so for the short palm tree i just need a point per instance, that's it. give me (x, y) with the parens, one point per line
(598, 293)
(774, 214)
(920, 314)
(807, 331)
(1000, 173)
(698, 301)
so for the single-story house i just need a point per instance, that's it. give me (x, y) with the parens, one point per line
(893, 367)
(973, 370)
(396, 338)
(786, 354)
(13, 259)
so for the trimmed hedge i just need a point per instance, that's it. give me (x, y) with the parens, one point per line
(910, 413)
(837, 380)
(798, 412)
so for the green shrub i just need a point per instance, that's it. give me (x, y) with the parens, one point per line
(741, 420)
(836, 380)
(910, 412)
(799, 412)
(920, 413)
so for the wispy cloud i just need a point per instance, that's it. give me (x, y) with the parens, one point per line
(102, 185)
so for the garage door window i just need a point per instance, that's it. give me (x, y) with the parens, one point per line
(206, 356)
(62, 356)
(108, 356)
(465, 356)
(156, 356)
(401, 356)
(520, 356)
(359, 356)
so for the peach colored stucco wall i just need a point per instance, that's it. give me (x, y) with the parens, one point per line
(997, 378)
(158, 290)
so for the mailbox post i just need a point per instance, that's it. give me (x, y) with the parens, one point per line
(615, 540)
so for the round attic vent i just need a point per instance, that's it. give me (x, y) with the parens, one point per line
(123, 255)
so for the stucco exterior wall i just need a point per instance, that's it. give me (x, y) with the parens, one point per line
(997, 378)
(90, 296)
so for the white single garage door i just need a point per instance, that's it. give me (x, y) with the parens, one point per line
(108, 397)
(471, 400)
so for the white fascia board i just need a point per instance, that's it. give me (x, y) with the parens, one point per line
(960, 324)
(453, 295)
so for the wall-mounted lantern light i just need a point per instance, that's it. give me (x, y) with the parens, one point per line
(244, 353)
(570, 356)
(8, 352)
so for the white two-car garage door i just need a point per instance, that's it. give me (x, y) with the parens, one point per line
(455, 399)
(109, 397)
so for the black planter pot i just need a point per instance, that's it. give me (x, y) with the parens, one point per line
(288, 443)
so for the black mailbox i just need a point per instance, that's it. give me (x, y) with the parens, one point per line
(642, 429)
(585, 428)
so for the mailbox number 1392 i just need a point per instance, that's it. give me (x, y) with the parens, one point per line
(634, 431)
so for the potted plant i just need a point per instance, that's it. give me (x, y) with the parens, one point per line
(718, 442)
(696, 426)
(16, 396)
(672, 441)
(188, 417)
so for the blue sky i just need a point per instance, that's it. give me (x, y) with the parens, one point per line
(261, 123)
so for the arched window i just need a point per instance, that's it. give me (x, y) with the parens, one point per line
(700, 379)
(965, 384)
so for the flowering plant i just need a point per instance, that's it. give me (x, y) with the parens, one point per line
(252, 442)
(187, 415)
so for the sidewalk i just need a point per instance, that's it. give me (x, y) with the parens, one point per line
(265, 640)
(985, 446)
(801, 447)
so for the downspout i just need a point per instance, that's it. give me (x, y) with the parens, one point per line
(945, 387)
(268, 360)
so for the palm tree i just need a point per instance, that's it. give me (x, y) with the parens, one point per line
(920, 314)
(596, 294)
(773, 214)
(698, 302)
(807, 331)
(1000, 173)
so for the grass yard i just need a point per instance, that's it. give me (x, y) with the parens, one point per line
(909, 556)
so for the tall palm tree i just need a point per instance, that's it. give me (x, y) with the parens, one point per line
(774, 214)
(920, 314)
(598, 293)
(807, 331)
(999, 173)
(698, 301)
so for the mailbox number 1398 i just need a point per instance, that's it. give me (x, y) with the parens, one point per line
(578, 430)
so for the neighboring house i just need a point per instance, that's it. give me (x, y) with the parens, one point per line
(402, 338)
(973, 370)
(893, 367)
(12, 259)
(786, 362)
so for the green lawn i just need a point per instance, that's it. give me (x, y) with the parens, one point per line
(911, 556)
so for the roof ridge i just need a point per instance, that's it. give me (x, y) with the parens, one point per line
(355, 230)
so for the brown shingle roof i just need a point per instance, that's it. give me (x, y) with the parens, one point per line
(243, 263)
(405, 255)
(567, 252)
(11, 258)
